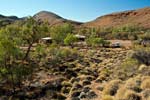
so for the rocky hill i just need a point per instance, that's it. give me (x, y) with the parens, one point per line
(140, 17)
(52, 18)
(5, 20)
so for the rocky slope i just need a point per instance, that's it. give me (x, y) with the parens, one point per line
(139, 17)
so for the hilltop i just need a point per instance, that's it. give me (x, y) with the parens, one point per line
(52, 18)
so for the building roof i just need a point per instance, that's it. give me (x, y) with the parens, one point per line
(47, 38)
(80, 36)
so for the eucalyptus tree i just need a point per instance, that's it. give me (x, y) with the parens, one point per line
(31, 33)
(11, 68)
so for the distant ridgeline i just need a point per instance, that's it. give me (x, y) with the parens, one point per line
(6, 20)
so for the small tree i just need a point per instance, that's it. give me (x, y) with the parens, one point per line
(32, 31)
(95, 41)
(11, 66)
(59, 33)
(70, 39)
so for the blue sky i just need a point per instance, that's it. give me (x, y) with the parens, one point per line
(79, 10)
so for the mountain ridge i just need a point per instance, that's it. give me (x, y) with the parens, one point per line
(140, 17)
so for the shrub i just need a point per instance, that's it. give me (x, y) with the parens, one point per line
(130, 95)
(59, 32)
(125, 94)
(107, 97)
(66, 90)
(112, 87)
(76, 86)
(133, 84)
(75, 93)
(58, 54)
(129, 66)
(91, 94)
(95, 41)
(121, 93)
(70, 39)
(145, 84)
(66, 84)
(146, 94)
(142, 55)
(86, 82)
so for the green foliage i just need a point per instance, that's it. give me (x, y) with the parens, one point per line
(128, 28)
(31, 33)
(59, 33)
(95, 41)
(145, 36)
(11, 68)
(70, 39)
(59, 54)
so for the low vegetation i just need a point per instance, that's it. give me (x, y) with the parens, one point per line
(69, 68)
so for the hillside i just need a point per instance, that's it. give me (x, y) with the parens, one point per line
(139, 17)
(5, 20)
(52, 18)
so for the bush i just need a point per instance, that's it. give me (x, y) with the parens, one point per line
(132, 96)
(58, 54)
(133, 84)
(121, 93)
(145, 84)
(129, 67)
(59, 32)
(95, 41)
(146, 94)
(126, 94)
(107, 97)
(142, 55)
(70, 39)
(66, 84)
(66, 90)
(112, 87)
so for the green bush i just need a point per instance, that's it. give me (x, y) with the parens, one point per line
(95, 41)
(70, 39)
(59, 32)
